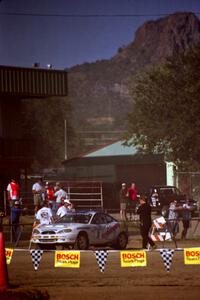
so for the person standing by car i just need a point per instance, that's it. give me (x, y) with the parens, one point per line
(186, 217)
(123, 201)
(132, 199)
(44, 215)
(64, 209)
(144, 211)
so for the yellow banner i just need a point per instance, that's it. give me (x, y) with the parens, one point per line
(133, 258)
(67, 259)
(192, 256)
(8, 253)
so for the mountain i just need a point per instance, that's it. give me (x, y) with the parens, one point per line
(99, 91)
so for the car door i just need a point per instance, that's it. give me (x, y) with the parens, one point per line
(99, 227)
(112, 229)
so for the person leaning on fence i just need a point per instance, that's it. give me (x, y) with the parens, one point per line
(13, 192)
(144, 211)
(186, 217)
(173, 217)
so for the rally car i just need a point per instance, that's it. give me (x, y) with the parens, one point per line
(80, 230)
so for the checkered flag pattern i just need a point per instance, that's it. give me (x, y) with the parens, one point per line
(36, 258)
(101, 257)
(167, 255)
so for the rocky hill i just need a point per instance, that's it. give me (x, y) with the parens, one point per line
(99, 91)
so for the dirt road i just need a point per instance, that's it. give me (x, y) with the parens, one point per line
(183, 281)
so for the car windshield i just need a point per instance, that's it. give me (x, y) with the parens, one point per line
(75, 218)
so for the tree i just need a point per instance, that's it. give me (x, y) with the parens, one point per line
(166, 107)
(44, 124)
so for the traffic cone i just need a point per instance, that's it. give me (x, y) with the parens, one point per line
(3, 265)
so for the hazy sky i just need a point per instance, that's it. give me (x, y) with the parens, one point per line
(60, 32)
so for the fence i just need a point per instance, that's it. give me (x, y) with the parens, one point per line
(25, 231)
(189, 184)
(83, 194)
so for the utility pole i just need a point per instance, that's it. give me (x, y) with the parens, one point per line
(65, 139)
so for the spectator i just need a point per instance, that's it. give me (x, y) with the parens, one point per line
(15, 219)
(59, 194)
(13, 191)
(64, 209)
(186, 217)
(44, 215)
(49, 195)
(123, 201)
(154, 198)
(173, 217)
(144, 210)
(38, 193)
(132, 199)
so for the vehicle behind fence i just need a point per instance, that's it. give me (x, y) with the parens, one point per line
(189, 184)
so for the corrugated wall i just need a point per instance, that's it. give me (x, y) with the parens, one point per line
(32, 82)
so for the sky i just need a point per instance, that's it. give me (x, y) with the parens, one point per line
(65, 33)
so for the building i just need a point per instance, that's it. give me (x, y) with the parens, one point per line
(15, 84)
(116, 163)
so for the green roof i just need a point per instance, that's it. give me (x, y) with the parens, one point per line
(114, 149)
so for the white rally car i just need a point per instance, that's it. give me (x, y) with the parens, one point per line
(81, 230)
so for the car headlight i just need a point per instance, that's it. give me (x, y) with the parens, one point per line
(65, 230)
(36, 231)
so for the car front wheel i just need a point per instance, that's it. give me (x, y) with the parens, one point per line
(82, 242)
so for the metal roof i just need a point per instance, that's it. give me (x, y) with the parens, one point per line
(114, 149)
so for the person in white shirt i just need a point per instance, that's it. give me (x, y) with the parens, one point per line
(64, 209)
(60, 194)
(38, 194)
(44, 215)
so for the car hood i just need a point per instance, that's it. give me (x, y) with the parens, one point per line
(60, 226)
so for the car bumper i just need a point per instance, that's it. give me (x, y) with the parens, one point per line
(53, 239)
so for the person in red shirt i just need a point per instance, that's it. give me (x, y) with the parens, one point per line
(13, 191)
(132, 199)
(49, 195)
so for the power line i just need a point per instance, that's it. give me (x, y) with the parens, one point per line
(87, 15)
